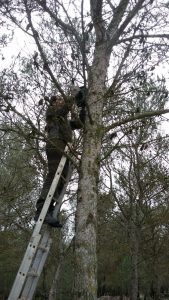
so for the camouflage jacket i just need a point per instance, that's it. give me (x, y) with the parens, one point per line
(59, 127)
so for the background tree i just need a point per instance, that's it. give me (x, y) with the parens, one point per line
(137, 176)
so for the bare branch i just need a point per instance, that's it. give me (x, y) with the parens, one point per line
(96, 13)
(144, 115)
(131, 15)
(15, 21)
(83, 42)
(113, 85)
(114, 35)
(68, 28)
(38, 132)
(111, 5)
(141, 36)
(96, 10)
(45, 61)
(118, 14)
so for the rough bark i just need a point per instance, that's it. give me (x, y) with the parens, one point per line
(86, 215)
(54, 287)
(134, 261)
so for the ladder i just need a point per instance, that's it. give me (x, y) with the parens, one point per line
(39, 245)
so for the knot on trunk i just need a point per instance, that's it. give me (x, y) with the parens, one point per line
(90, 219)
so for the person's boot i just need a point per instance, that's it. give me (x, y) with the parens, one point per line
(49, 219)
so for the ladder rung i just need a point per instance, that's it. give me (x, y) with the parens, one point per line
(39, 245)
(33, 274)
(64, 179)
(43, 248)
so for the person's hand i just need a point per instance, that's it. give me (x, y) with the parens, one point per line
(69, 102)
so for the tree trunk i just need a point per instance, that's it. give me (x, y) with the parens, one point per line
(85, 286)
(54, 287)
(134, 261)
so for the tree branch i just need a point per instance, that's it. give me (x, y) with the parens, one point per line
(45, 61)
(96, 10)
(83, 43)
(140, 36)
(115, 80)
(131, 15)
(111, 5)
(137, 117)
(39, 133)
(68, 28)
(121, 9)
(118, 14)
(96, 14)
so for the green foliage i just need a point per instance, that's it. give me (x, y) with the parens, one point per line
(18, 178)
(12, 248)
(19, 187)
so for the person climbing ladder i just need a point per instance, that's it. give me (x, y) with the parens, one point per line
(59, 134)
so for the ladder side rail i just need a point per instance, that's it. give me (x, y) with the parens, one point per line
(50, 193)
(35, 238)
(37, 267)
(40, 257)
(23, 270)
(60, 198)
(40, 269)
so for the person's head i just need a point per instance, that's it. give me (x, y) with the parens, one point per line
(57, 102)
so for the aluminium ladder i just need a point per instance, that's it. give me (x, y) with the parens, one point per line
(39, 245)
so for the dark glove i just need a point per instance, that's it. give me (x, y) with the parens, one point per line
(82, 115)
(80, 97)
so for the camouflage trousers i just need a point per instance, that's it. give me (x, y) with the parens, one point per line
(54, 156)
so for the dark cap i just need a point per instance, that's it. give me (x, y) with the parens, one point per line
(55, 99)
